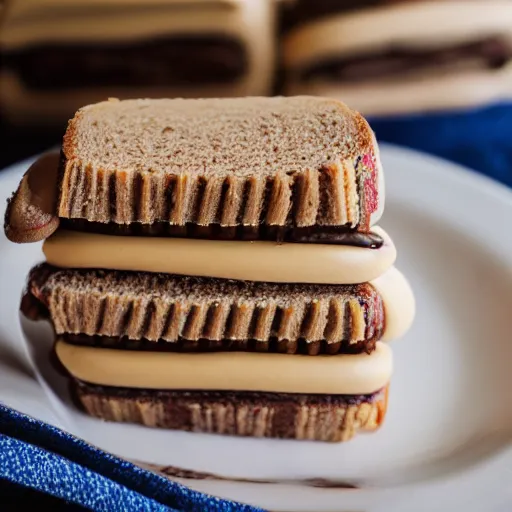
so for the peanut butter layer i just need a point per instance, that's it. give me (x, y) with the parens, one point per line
(242, 260)
(229, 371)
(330, 418)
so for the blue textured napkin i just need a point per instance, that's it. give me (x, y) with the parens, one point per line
(41, 464)
(479, 138)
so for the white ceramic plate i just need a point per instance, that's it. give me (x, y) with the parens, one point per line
(447, 440)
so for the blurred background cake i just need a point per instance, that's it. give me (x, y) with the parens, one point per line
(433, 75)
(412, 67)
(387, 58)
(58, 55)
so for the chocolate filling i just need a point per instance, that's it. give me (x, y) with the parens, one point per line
(336, 235)
(229, 396)
(301, 346)
(173, 61)
(490, 53)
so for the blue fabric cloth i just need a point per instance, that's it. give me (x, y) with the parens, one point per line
(478, 138)
(50, 463)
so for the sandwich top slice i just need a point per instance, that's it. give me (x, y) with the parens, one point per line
(247, 164)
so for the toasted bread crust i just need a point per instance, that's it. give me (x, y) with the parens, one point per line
(161, 307)
(329, 418)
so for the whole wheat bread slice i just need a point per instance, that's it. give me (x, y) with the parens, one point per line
(330, 418)
(167, 308)
(299, 161)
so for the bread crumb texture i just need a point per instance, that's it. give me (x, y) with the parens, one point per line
(300, 161)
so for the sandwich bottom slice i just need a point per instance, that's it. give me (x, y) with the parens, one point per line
(330, 418)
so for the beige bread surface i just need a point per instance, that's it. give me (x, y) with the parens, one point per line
(299, 161)
(329, 418)
(162, 307)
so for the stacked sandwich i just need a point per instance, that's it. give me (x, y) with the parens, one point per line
(58, 55)
(214, 265)
(386, 57)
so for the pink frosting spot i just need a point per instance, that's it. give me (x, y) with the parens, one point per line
(368, 161)
(370, 183)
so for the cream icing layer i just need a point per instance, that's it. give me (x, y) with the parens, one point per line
(399, 303)
(241, 260)
(235, 371)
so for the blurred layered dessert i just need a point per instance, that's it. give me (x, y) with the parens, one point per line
(57, 55)
(393, 57)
